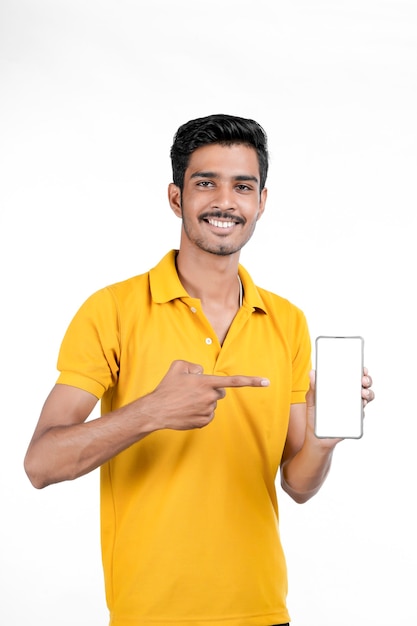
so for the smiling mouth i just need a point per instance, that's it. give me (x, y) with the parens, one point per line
(219, 224)
(224, 222)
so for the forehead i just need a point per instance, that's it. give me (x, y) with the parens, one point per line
(227, 161)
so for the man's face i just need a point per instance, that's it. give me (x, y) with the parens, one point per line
(221, 199)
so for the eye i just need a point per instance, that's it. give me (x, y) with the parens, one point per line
(243, 187)
(205, 183)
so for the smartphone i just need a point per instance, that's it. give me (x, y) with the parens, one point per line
(339, 371)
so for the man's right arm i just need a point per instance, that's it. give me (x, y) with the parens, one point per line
(65, 446)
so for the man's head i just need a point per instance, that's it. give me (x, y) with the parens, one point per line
(217, 129)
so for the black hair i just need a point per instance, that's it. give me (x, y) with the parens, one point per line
(222, 129)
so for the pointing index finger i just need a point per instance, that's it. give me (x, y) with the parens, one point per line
(238, 381)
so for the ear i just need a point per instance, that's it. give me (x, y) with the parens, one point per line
(262, 202)
(174, 197)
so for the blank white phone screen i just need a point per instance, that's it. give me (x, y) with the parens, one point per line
(339, 370)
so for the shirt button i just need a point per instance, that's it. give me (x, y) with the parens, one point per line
(193, 309)
(209, 341)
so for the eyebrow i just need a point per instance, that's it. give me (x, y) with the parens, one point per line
(243, 177)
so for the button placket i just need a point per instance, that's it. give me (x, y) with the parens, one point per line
(209, 341)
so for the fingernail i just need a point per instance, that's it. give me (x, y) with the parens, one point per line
(265, 382)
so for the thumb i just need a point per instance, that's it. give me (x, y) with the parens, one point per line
(186, 367)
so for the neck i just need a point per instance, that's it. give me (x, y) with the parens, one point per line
(210, 277)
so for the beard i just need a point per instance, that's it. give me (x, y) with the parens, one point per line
(223, 247)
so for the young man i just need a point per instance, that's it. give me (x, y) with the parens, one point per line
(204, 385)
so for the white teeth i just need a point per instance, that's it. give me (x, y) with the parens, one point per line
(221, 224)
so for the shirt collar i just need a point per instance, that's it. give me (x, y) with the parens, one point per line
(166, 286)
(164, 282)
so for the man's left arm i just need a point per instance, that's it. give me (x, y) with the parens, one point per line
(306, 459)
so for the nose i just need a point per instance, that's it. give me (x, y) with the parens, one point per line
(224, 198)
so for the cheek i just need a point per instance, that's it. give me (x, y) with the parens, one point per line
(192, 206)
(255, 211)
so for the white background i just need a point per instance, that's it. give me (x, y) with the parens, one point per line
(91, 95)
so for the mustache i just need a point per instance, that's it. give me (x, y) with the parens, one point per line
(221, 215)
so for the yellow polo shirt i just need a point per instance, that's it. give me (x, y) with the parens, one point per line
(189, 519)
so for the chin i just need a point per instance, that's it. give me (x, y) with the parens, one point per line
(220, 250)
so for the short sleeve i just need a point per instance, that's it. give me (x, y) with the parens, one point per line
(301, 357)
(89, 356)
